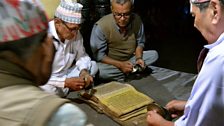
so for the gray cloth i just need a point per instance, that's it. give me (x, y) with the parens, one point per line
(162, 85)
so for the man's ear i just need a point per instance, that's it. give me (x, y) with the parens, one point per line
(57, 20)
(215, 11)
(111, 8)
(48, 48)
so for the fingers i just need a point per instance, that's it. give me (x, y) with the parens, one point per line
(152, 116)
(176, 104)
(88, 80)
(141, 63)
(151, 112)
(174, 116)
(74, 83)
(170, 105)
(80, 87)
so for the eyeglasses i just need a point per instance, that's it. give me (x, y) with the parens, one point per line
(119, 15)
(70, 29)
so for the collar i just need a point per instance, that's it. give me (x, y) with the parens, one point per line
(52, 30)
(220, 40)
(11, 74)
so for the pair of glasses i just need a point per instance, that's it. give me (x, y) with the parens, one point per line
(119, 15)
(70, 29)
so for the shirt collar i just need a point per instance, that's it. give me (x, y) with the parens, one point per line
(52, 30)
(220, 40)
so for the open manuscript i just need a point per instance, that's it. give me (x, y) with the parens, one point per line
(121, 101)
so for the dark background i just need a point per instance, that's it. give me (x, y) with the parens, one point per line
(168, 28)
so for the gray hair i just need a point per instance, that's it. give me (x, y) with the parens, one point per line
(122, 1)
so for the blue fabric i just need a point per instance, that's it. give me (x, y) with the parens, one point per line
(205, 106)
(110, 72)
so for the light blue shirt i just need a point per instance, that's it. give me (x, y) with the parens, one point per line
(205, 106)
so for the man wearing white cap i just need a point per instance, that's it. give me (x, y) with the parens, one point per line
(205, 106)
(26, 56)
(72, 67)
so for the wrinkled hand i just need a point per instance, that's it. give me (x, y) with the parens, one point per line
(154, 119)
(126, 67)
(75, 83)
(88, 80)
(176, 108)
(140, 62)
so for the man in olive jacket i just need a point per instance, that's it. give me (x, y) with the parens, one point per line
(26, 55)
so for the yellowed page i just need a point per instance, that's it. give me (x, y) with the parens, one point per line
(109, 89)
(133, 114)
(121, 99)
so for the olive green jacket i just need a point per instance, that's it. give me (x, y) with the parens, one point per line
(22, 102)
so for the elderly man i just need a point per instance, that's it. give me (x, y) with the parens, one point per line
(117, 42)
(26, 56)
(72, 67)
(205, 107)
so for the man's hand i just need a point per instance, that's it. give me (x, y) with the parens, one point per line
(126, 67)
(140, 62)
(176, 108)
(75, 83)
(88, 79)
(154, 119)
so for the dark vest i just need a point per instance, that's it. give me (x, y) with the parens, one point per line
(120, 47)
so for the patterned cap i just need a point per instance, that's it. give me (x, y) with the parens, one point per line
(21, 19)
(69, 11)
(199, 1)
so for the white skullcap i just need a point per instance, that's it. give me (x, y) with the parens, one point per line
(69, 11)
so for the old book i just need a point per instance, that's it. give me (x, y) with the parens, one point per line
(121, 101)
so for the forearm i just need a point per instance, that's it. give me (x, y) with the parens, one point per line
(108, 60)
(138, 52)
